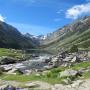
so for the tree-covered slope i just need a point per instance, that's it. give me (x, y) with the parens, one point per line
(10, 37)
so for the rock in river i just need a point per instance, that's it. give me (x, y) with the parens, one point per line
(7, 60)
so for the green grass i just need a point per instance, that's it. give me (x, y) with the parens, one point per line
(21, 78)
(86, 75)
(50, 77)
(25, 78)
(12, 53)
(81, 65)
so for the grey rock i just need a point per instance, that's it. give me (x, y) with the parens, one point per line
(66, 81)
(2, 87)
(31, 85)
(68, 72)
(7, 60)
(67, 59)
(75, 59)
(9, 87)
(7, 67)
(82, 70)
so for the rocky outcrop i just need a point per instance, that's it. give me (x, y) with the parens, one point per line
(76, 85)
(68, 59)
(39, 85)
(34, 85)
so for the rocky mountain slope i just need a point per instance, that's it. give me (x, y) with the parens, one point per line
(10, 37)
(77, 33)
(35, 39)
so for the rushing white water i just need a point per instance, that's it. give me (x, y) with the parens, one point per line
(32, 64)
(36, 63)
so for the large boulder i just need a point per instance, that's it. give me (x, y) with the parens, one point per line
(32, 85)
(89, 54)
(55, 62)
(82, 70)
(6, 67)
(13, 71)
(48, 67)
(68, 73)
(7, 60)
(38, 85)
(77, 85)
(47, 60)
(9, 87)
(68, 59)
(75, 59)
(24, 71)
(66, 81)
(2, 87)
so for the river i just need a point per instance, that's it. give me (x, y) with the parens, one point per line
(35, 63)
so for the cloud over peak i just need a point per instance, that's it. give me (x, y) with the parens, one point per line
(2, 18)
(77, 10)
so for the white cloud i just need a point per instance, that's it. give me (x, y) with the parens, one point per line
(2, 18)
(78, 10)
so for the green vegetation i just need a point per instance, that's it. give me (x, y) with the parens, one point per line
(51, 76)
(81, 65)
(74, 48)
(86, 75)
(25, 78)
(1, 72)
(11, 53)
(82, 40)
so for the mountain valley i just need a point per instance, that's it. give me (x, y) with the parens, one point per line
(60, 60)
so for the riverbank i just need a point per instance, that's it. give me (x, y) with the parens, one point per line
(51, 78)
(53, 70)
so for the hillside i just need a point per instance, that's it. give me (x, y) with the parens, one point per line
(77, 33)
(10, 37)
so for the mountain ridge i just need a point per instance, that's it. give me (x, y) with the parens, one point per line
(66, 35)
(10, 37)
(77, 32)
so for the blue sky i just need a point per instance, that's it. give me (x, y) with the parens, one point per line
(42, 16)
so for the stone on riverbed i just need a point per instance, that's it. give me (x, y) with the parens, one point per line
(9, 87)
(7, 67)
(7, 60)
(75, 59)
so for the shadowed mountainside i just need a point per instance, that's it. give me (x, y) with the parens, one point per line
(10, 37)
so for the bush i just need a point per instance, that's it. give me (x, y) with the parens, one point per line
(74, 48)
(1, 72)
